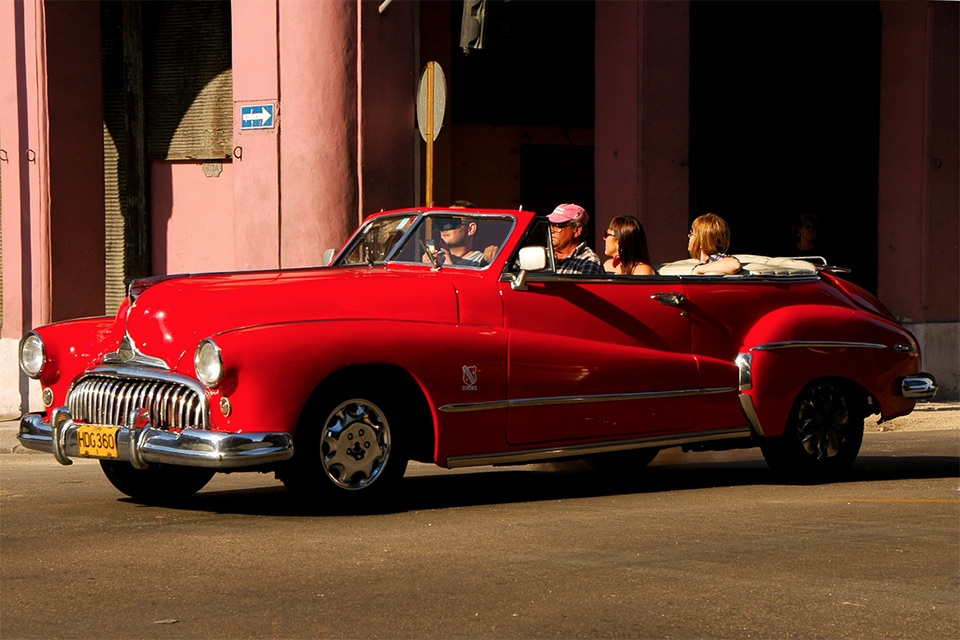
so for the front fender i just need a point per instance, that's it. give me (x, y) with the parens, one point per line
(271, 371)
(792, 346)
(72, 347)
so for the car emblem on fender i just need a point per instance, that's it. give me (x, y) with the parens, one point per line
(469, 377)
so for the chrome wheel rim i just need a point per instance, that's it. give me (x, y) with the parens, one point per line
(355, 445)
(823, 422)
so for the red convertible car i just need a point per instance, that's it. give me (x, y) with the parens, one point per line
(333, 378)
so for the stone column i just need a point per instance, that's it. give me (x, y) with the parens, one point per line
(318, 128)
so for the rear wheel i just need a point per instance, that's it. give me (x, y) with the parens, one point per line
(346, 451)
(823, 435)
(158, 482)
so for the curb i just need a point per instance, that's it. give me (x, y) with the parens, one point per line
(9, 428)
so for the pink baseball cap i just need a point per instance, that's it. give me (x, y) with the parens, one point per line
(569, 213)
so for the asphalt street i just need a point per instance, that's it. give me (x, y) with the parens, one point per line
(704, 545)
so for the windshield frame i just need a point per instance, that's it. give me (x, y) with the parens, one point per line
(412, 223)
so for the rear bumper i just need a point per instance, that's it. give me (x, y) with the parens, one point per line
(141, 446)
(921, 386)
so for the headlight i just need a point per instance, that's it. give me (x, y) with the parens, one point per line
(208, 363)
(33, 355)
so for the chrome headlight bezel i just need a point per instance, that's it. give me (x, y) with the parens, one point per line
(208, 363)
(32, 355)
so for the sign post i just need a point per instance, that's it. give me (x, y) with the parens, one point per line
(431, 106)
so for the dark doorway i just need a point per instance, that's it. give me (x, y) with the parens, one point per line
(535, 67)
(555, 174)
(785, 120)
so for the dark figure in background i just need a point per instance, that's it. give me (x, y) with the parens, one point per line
(805, 241)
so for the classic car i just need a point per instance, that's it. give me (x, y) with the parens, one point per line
(335, 377)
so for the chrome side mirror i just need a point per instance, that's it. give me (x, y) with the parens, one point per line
(531, 259)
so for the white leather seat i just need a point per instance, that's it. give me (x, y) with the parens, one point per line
(752, 265)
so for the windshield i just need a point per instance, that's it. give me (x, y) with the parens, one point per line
(446, 239)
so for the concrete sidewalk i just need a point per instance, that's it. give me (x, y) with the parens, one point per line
(927, 416)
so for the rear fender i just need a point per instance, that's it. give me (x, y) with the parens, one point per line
(790, 347)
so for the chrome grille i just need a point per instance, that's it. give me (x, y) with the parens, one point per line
(109, 400)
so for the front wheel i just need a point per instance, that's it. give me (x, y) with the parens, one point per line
(823, 434)
(346, 451)
(157, 483)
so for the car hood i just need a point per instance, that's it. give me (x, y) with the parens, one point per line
(169, 317)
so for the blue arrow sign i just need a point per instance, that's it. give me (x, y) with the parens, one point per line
(256, 116)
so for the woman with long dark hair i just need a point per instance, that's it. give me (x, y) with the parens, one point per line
(626, 243)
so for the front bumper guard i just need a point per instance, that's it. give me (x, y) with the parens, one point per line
(922, 386)
(142, 445)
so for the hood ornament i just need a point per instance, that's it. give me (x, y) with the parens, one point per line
(128, 354)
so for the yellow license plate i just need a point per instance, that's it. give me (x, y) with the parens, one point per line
(97, 441)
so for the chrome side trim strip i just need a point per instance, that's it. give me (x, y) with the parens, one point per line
(558, 400)
(817, 344)
(582, 450)
(744, 364)
(750, 411)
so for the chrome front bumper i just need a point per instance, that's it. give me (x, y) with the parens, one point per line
(141, 446)
(919, 387)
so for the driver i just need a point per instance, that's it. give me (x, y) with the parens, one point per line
(457, 235)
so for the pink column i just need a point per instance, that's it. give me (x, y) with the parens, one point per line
(318, 125)
(26, 170)
(642, 136)
(918, 200)
(256, 80)
(12, 165)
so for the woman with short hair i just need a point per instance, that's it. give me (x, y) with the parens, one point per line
(708, 241)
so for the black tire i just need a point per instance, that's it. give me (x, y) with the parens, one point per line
(823, 434)
(158, 483)
(347, 451)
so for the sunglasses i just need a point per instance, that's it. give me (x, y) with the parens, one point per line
(449, 225)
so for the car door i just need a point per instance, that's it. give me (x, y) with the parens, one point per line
(597, 358)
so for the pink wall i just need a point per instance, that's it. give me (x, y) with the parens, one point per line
(192, 220)
(642, 120)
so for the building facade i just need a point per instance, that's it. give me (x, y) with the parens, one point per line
(145, 138)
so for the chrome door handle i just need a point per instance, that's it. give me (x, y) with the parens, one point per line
(669, 298)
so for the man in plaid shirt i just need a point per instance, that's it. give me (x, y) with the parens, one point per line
(567, 225)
